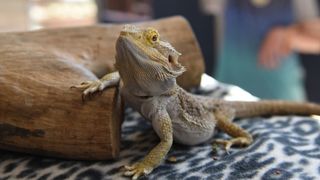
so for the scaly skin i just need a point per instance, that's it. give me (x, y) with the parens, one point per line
(148, 68)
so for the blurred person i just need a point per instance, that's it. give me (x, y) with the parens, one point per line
(302, 37)
(257, 44)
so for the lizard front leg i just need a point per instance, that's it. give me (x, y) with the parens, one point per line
(90, 87)
(224, 116)
(163, 127)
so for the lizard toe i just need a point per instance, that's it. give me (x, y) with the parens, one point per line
(227, 144)
(137, 170)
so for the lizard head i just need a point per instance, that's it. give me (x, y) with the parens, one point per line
(145, 61)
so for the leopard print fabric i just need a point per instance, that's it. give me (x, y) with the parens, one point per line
(283, 148)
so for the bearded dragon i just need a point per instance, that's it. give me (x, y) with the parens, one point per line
(148, 67)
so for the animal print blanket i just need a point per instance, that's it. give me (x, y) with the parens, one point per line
(284, 148)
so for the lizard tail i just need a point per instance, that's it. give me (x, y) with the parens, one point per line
(272, 107)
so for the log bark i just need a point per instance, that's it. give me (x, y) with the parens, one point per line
(39, 114)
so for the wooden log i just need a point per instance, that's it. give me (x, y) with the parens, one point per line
(94, 46)
(39, 114)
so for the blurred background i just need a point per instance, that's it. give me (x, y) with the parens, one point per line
(23, 15)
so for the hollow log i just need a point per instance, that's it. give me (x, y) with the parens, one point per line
(40, 114)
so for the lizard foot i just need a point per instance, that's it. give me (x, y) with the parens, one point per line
(239, 141)
(89, 87)
(137, 170)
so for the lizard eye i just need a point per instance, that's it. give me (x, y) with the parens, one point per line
(154, 38)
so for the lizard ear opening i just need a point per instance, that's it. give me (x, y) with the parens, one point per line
(170, 59)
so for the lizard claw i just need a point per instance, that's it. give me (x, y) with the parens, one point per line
(82, 86)
(89, 87)
(86, 83)
(227, 144)
(137, 170)
(129, 167)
